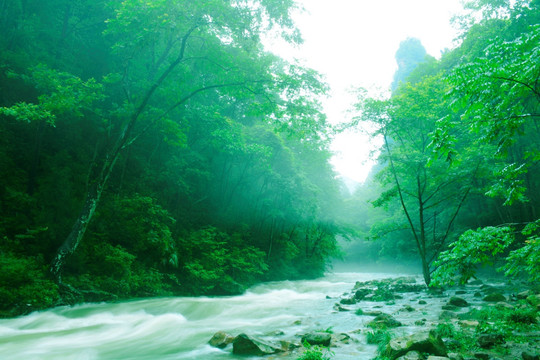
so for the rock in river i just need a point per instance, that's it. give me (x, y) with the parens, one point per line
(317, 338)
(457, 301)
(221, 339)
(384, 321)
(247, 345)
(494, 297)
(423, 342)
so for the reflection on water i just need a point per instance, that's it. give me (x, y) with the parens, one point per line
(179, 328)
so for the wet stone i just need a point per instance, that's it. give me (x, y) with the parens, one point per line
(494, 297)
(287, 346)
(384, 321)
(343, 338)
(221, 339)
(338, 307)
(317, 338)
(424, 342)
(248, 345)
(457, 301)
(373, 313)
(348, 301)
(411, 355)
(360, 294)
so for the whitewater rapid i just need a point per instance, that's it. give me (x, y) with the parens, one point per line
(180, 327)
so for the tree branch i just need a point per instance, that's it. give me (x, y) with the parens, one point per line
(518, 82)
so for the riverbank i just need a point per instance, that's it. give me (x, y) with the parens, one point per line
(408, 321)
(492, 320)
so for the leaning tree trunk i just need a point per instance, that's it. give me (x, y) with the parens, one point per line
(74, 238)
(78, 230)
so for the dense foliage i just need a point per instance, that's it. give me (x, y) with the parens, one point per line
(155, 147)
(458, 171)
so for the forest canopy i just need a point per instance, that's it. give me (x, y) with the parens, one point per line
(155, 147)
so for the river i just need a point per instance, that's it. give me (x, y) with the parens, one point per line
(180, 327)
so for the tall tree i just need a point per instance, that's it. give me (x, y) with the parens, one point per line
(430, 192)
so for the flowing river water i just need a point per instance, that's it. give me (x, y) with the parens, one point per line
(180, 327)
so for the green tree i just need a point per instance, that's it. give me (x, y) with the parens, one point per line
(431, 193)
(496, 94)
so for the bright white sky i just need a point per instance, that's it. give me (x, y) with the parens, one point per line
(353, 43)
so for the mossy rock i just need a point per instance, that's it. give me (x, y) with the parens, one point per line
(424, 342)
(384, 321)
(457, 301)
(494, 297)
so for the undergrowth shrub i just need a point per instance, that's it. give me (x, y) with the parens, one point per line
(24, 285)
(315, 352)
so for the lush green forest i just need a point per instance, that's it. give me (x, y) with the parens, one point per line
(155, 148)
(456, 186)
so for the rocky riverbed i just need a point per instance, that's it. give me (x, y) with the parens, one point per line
(491, 320)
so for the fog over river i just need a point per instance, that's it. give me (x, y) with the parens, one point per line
(179, 328)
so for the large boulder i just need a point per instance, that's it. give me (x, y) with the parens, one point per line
(424, 342)
(360, 294)
(248, 345)
(384, 321)
(221, 339)
(317, 338)
(348, 301)
(457, 301)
